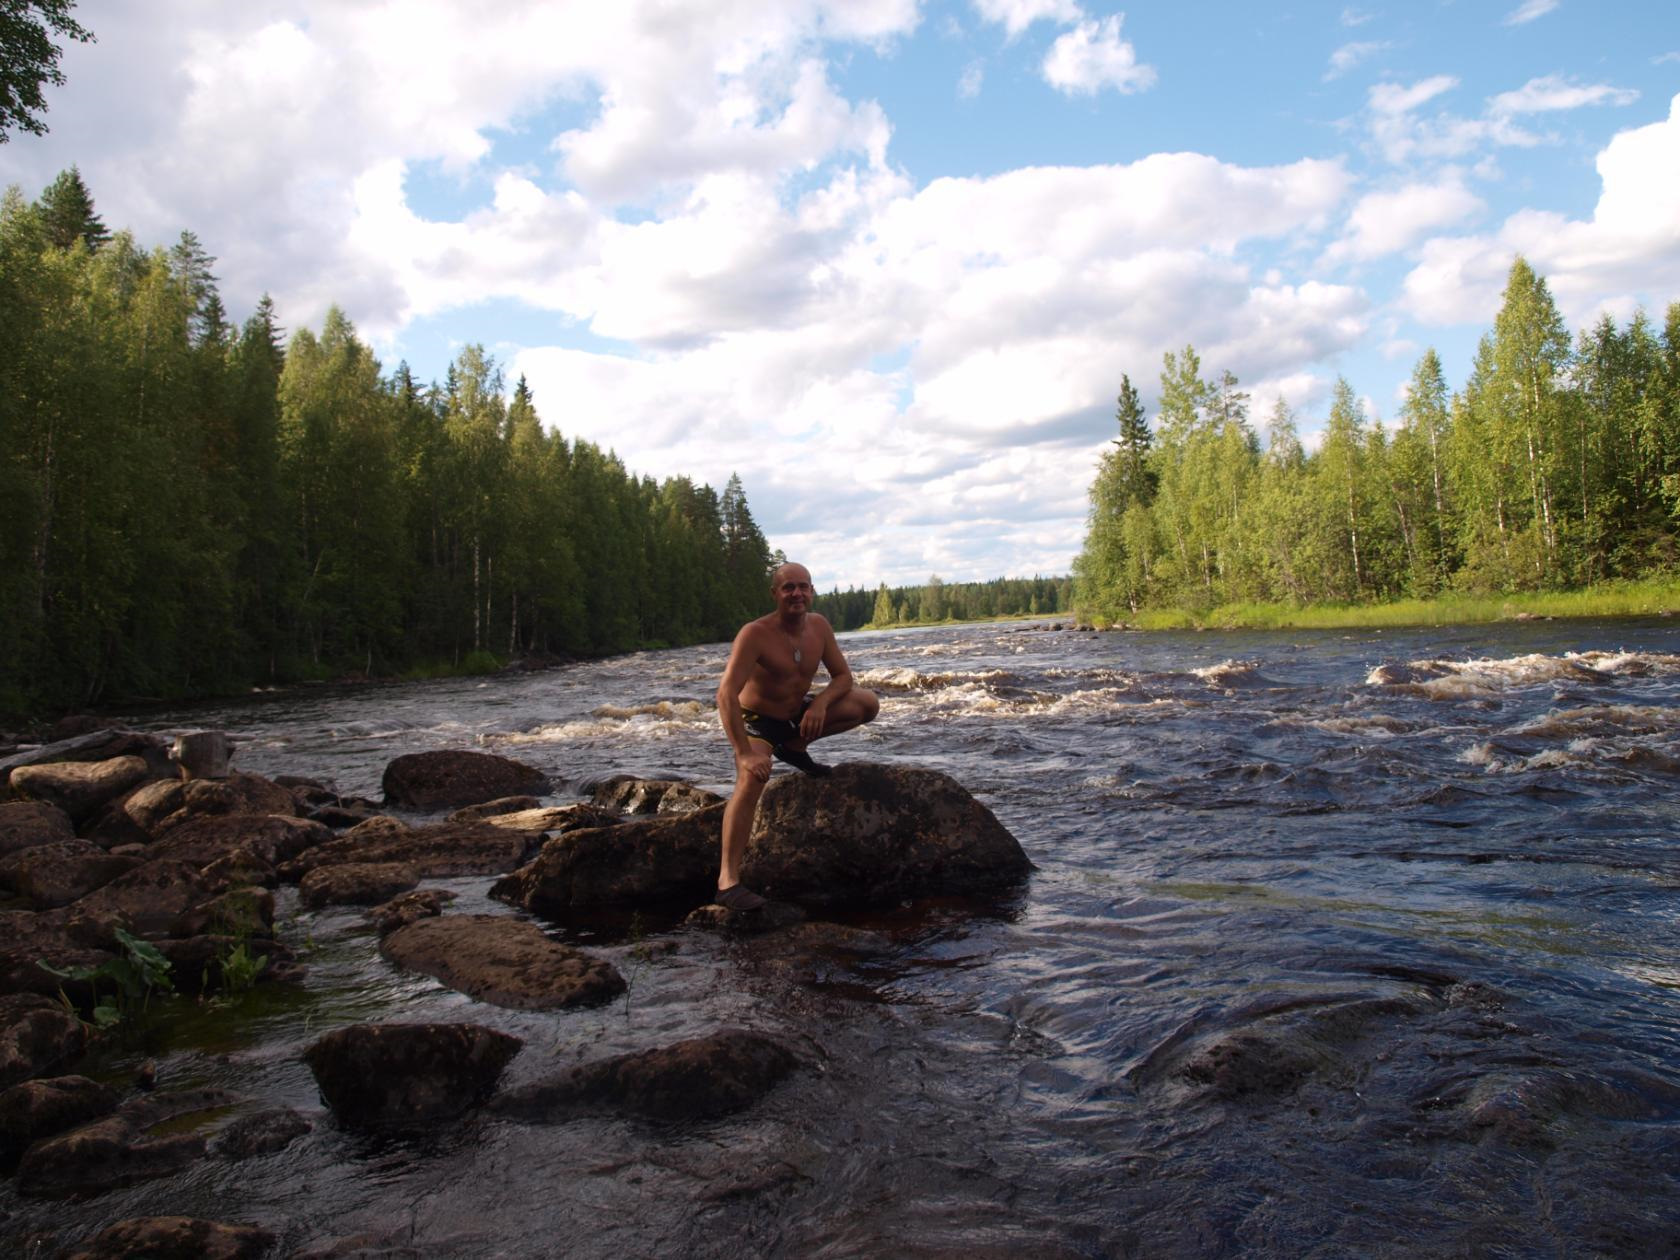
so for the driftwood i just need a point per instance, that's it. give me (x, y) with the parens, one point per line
(94, 746)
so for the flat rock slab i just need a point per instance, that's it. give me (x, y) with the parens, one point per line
(55, 874)
(691, 1080)
(356, 883)
(120, 1149)
(178, 1237)
(450, 778)
(645, 860)
(37, 1036)
(36, 1109)
(405, 1074)
(442, 851)
(275, 838)
(25, 824)
(80, 788)
(409, 907)
(505, 961)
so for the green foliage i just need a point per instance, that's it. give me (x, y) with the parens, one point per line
(29, 58)
(941, 601)
(134, 976)
(1552, 468)
(239, 968)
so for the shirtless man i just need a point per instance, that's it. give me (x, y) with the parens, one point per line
(767, 709)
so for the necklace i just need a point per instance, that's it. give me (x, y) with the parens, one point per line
(798, 654)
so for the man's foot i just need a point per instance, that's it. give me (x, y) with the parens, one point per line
(738, 897)
(799, 759)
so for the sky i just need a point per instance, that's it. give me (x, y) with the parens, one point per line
(888, 260)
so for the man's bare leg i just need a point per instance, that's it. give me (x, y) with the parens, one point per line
(852, 710)
(737, 827)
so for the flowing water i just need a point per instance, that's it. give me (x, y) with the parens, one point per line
(1340, 944)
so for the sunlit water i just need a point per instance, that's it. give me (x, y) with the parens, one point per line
(1432, 874)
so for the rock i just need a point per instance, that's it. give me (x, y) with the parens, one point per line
(670, 859)
(177, 1238)
(236, 794)
(874, 835)
(149, 898)
(79, 788)
(490, 809)
(37, 1109)
(261, 1133)
(443, 851)
(197, 963)
(774, 916)
(100, 745)
(52, 875)
(556, 818)
(356, 883)
(37, 1036)
(62, 938)
(402, 1074)
(238, 869)
(239, 912)
(652, 796)
(408, 907)
(506, 961)
(274, 838)
(451, 778)
(119, 1149)
(388, 1246)
(148, 805)
(26, 824)
(202, 754)
(691, 1080)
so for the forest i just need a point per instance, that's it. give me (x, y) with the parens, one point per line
(1556, 466)
(937, 600)
(189, 507)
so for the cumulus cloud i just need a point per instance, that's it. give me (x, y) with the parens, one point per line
(1092, 57)
(1391, 220)
(1016, 15)
(1348, 56)
(1626, 254)
(1528, 10)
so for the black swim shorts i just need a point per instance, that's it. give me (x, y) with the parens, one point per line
(774, 731)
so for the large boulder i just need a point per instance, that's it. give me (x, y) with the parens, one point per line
(36, 1109)
(672, 858)
(509, 962)
(629, 795)
(176, 1238)
(236, 794)
(874, 835)
(405, 1074)
(715, 1075)
(149, 898)
(25, 824)
(55, 874)
(61, 938)
(450, 778)
(444, 851)
(275, 838)
(80, 788)
(356, 884)
(37, 1036)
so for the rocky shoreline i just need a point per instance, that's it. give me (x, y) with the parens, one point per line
(131, 873)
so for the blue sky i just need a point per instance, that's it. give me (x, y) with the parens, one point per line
(885, 259)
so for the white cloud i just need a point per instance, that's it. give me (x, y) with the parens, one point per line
(1528, 10)
(1402, 135)
(1356, 17)
(1092, 57)
(973, 75)
(1554, 93)
(1627, 253)
(1348, 56)
(1016, 15)
(1392, 220)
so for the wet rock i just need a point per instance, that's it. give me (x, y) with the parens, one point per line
(236, 794)
(874, 835)
(558, 818)
(148, 805)
(241, 912)
(1251, 1063)
(774, 916)
(237, 869)
(119, 1149)
(55, 874)
(199, 964)
(345, 815)
(690, 1080)
(646, 860)
(37, 1036)
(443, 851)
(274, 838)
(26, 824)
(505, 961)
(651, 796)
(177, 1238)
(492, 809)
(150, 898)
(261, 1133)
(409, 907)
(365, 1247)
(401, 1074)
(98, 745)
(451, 778)
(356, 883)
(79, 788)
(40, 1108)
(62, 938)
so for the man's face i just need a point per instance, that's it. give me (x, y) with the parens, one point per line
(792, 589)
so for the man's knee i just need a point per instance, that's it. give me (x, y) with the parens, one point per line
(869, 702)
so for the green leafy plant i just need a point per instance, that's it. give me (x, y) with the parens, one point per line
(134, 975)
(240, 968)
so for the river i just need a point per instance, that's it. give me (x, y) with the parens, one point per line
(1339, 944)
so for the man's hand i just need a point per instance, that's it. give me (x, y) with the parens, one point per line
(755, 762)
(816, 717)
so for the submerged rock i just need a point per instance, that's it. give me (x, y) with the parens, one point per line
(260, 1133)
(708, 1076)
(401, 1074)
(450, 778)
(176, 1238)
(37, 1109)
(652, 796)
(506, 961)
(119, 1149)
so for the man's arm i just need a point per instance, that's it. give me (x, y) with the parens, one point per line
(839, 683)
(743, 658)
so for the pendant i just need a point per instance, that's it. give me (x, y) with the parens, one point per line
(798, 658)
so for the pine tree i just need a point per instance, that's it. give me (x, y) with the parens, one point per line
(67, 210)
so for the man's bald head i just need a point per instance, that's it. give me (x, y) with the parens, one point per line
(783, 572)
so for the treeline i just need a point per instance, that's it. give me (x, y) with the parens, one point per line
(188, 507)
(1555, 466)
(937, 601)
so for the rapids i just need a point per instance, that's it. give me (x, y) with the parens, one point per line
(1340, 944)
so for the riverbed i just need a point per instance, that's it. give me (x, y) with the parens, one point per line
(1339, 944)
